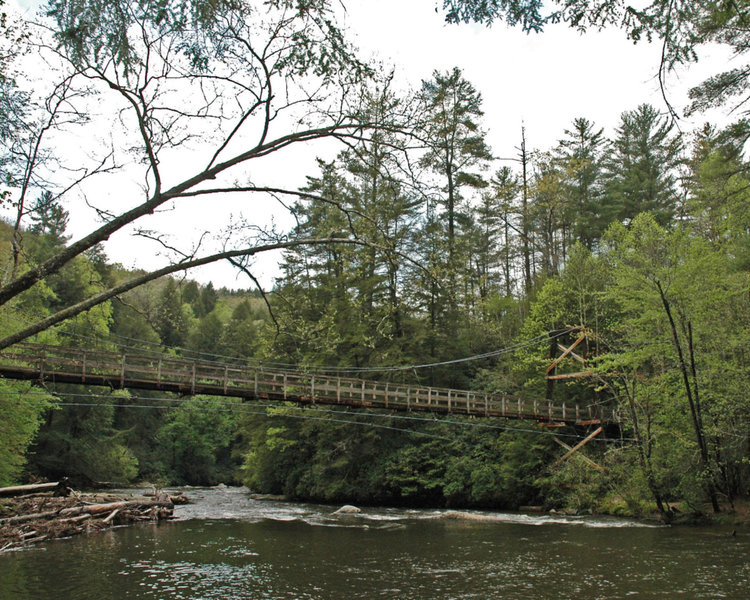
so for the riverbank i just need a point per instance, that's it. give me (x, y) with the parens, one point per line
(43, 512)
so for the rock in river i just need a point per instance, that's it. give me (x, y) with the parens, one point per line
(347, 509)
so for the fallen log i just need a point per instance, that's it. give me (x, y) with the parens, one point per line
(96, 509)
(30, 517)
(77, 519)
(111, 516)
(34, 488)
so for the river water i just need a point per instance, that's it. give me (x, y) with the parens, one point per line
(229, 546)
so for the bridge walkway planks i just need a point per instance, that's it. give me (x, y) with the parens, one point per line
(184, 376)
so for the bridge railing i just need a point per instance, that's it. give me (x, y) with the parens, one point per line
(188, 376)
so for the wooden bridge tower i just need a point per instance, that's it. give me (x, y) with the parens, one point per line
(568, 345)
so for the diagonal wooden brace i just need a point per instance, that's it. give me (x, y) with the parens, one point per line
(580, 359)
(577, 447)
(565, 353)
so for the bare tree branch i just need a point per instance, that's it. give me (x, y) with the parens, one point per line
(96, 299)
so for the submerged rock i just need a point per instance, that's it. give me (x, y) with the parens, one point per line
(468, 516)
(348, 509)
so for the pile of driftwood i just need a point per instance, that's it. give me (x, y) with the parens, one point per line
(33, 513)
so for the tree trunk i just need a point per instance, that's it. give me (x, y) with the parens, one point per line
(694, 409)
(524, 216)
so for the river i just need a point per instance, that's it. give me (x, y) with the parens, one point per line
(228, 546)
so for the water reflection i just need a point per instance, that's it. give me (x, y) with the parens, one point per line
(230, 546)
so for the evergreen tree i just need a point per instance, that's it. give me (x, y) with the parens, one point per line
(641, 171)
(81, 442)
(241, 334)
(580, 156)
(549, 214)
(456, 144)
(506, 188)
(49, 220)
(207, 300)
(313, 302)
(718, 202)
(172, 316)
(484, 256)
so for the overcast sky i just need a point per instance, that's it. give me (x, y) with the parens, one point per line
(542, 81)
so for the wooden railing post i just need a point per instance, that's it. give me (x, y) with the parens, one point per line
(312, 389)
(408, 399)
(226, 378)
(122, 372)
(338, 390)
(83, 368)
(192, 382)
(158, 374)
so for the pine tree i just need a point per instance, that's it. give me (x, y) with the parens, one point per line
(580, 156)
(456, 144)
(642, 168)
(49, 219)
(506, 187)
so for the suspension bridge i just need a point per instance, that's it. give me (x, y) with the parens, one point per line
(141, 369)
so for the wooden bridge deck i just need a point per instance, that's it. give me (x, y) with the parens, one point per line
(189, 377)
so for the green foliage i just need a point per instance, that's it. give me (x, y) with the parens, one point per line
(576, 298)
(433, 464)
(138, 427)
(682, 306)
(97, 33)
(22, 409)
(241, 335)
(206, 336)
(580, 156)
(195, 442)
(526, 13)
(49, 220)
(130, 323)
(456, 142)
(172, 316)
(79, 441)
(642, 169)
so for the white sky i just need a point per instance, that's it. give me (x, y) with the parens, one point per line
(541, 80)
